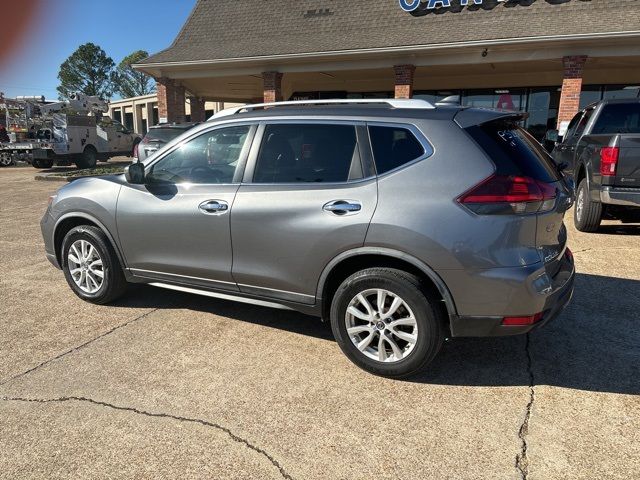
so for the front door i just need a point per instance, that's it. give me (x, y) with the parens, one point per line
(304, 201)
(176, 227)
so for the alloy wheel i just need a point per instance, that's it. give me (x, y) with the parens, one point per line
(85, 266)
(381, 325)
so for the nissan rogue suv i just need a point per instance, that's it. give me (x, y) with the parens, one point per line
(400, 222)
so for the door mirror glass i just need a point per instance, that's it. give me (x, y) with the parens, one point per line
(134, 173)
(552, 136)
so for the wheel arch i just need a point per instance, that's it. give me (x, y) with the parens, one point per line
(74, 219)
(351, 261)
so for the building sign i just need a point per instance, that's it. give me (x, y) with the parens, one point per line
(412, 5)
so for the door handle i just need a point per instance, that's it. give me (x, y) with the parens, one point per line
(343, 207)
(213, 207)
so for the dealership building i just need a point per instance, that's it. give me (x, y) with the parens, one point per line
(546, 57)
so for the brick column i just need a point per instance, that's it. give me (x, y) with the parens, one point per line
(197, 109)
(404, 80)
(170, 100)
(571, 87)
(272, 82)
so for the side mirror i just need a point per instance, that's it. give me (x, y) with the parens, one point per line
(134, 173)
(552, 136)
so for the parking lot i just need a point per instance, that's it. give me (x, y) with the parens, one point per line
(168, 385)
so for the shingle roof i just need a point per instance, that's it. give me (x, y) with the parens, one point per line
(223, 29)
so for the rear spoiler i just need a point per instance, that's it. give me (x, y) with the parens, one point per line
(469, 117)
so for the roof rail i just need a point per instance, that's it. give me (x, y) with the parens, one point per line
(391, 102)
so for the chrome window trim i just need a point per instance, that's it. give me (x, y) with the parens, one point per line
(429, 149)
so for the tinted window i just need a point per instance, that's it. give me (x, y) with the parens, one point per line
(212, 157)
(618, 118)
(307, 153)
(393, 147)
(514, 151)
(572, 124)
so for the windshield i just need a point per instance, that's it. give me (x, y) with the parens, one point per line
(163, 135)
(618, 118)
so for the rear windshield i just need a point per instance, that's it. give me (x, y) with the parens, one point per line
(514, 151)
(164, 134)
(618, 118)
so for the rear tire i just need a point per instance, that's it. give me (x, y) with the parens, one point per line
(89, 158)
(409, 336)
(587, 214)
(91, 266)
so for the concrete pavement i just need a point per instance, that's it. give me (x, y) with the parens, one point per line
(166, 385)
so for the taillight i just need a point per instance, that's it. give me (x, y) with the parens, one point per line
(609, 161)
(144, 140)
(135, 151)
(509, 194)
(522, 321)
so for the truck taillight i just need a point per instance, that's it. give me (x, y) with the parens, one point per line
(609, 161)
(135, 151)
(509, 194)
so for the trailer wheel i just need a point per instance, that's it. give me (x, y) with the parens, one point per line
(89, 158)
(5, 160)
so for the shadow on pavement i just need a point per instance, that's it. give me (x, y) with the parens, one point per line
(594, 345)
(619, 229)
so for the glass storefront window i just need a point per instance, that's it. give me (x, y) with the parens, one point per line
(621, 91)
(543, 111)
(502, 98)
(438, 96)
(590, 94)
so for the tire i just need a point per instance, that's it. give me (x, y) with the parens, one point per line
(6, 161)
(587, 214)
(427, 329)
(85, 283)
(89, 158)
(46, 163)
(35, 163)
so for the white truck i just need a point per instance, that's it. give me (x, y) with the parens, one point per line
(70, 131)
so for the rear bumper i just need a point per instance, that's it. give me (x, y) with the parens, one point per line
(629, 197)
(489, 326)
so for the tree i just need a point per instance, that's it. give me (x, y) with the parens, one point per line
(88, 70)
(129, 82)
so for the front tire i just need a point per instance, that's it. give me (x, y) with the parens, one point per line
(91, 266)
(89, 158)
(386, 322)
(587, 214)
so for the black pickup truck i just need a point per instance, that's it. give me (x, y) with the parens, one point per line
(601, 150)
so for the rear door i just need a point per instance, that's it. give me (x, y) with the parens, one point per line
(305, 200)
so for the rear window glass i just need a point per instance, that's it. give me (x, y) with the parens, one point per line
(618, 118)
(393, 147)
(514, 151)
(164, 134)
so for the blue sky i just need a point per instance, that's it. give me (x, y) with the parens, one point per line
(118, 26)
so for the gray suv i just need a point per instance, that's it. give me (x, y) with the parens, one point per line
(400, 222)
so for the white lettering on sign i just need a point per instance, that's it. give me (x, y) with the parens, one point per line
(411, 5)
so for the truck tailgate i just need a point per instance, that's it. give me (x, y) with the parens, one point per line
(628, 169)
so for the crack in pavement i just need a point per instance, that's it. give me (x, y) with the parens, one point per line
(79, 347)
(233, 436)
(522, 459)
